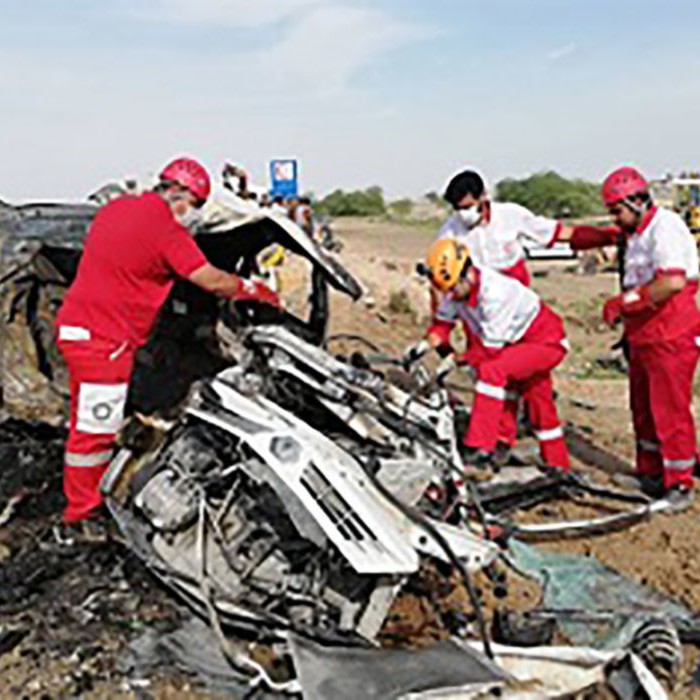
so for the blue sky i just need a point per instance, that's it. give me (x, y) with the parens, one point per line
(399, 93)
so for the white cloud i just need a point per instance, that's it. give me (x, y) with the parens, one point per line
(561, 52)
(231, 13)
(318, 48)
(326, 47)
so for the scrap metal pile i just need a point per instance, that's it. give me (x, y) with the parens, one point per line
(291, 496)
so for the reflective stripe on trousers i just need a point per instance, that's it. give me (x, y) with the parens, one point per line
(648, 446)
(87, 459)
(679, 465)
(494, 392)
(550, 434)
(99, 374)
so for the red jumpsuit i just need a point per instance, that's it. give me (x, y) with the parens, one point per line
(133, 252)
(663, 343)
(497, 243)
(519, 341)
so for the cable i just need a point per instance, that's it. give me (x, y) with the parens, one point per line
(414, 434)
(351, 336)
(422, 522)
(235, 656)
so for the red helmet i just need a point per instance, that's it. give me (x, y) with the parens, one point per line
(623, 183)
(189, 174)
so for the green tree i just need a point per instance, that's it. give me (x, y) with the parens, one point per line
(550, 194)
(369, 202)
(401, 208)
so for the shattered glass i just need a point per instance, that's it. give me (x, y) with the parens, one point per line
(593, 604)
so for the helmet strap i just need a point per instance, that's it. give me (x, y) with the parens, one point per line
(638, 209)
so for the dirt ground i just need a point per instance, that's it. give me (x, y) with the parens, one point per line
(78, 614)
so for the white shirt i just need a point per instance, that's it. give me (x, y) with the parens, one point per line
(665, 244)
(498, 242)
(302, 215)
(503, 312)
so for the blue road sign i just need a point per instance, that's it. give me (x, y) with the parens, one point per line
(283, 176)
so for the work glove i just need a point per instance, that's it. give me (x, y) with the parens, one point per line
(447, 365)
(414, 352)
(252, 290)
(612, 311)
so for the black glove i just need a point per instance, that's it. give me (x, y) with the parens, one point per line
(414, 352)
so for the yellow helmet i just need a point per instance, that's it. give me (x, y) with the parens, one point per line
(446, 261)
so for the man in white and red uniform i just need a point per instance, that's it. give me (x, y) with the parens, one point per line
(494, 233)
(135, 249)
(517, 339)
(661, 323)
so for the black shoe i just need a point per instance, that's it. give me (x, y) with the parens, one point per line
(91, 533)
(503, 455)
(474, 457)
(478, 465)
(680, 498)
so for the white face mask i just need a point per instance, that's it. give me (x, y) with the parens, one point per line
(470, 217)
(190, 219)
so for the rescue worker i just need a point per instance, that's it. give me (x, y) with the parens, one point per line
(661, 323)
(303, 216)
(278, 207)
(494, 233)
(135, 249)
(517, 341)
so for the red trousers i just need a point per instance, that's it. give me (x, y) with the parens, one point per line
(661, 389)
(99, 377)
(526, 366)
(508, 425)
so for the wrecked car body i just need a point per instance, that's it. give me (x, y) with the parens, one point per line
(282, 499)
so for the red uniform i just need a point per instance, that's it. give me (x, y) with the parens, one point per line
(133, 253)
(518, 342)
(663, 343)
(497, 243)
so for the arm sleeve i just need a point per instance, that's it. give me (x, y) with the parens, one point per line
(673, 247)
(451, 229)
(180, 253)
(539, 229)
(442, 330)
(586, 237)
